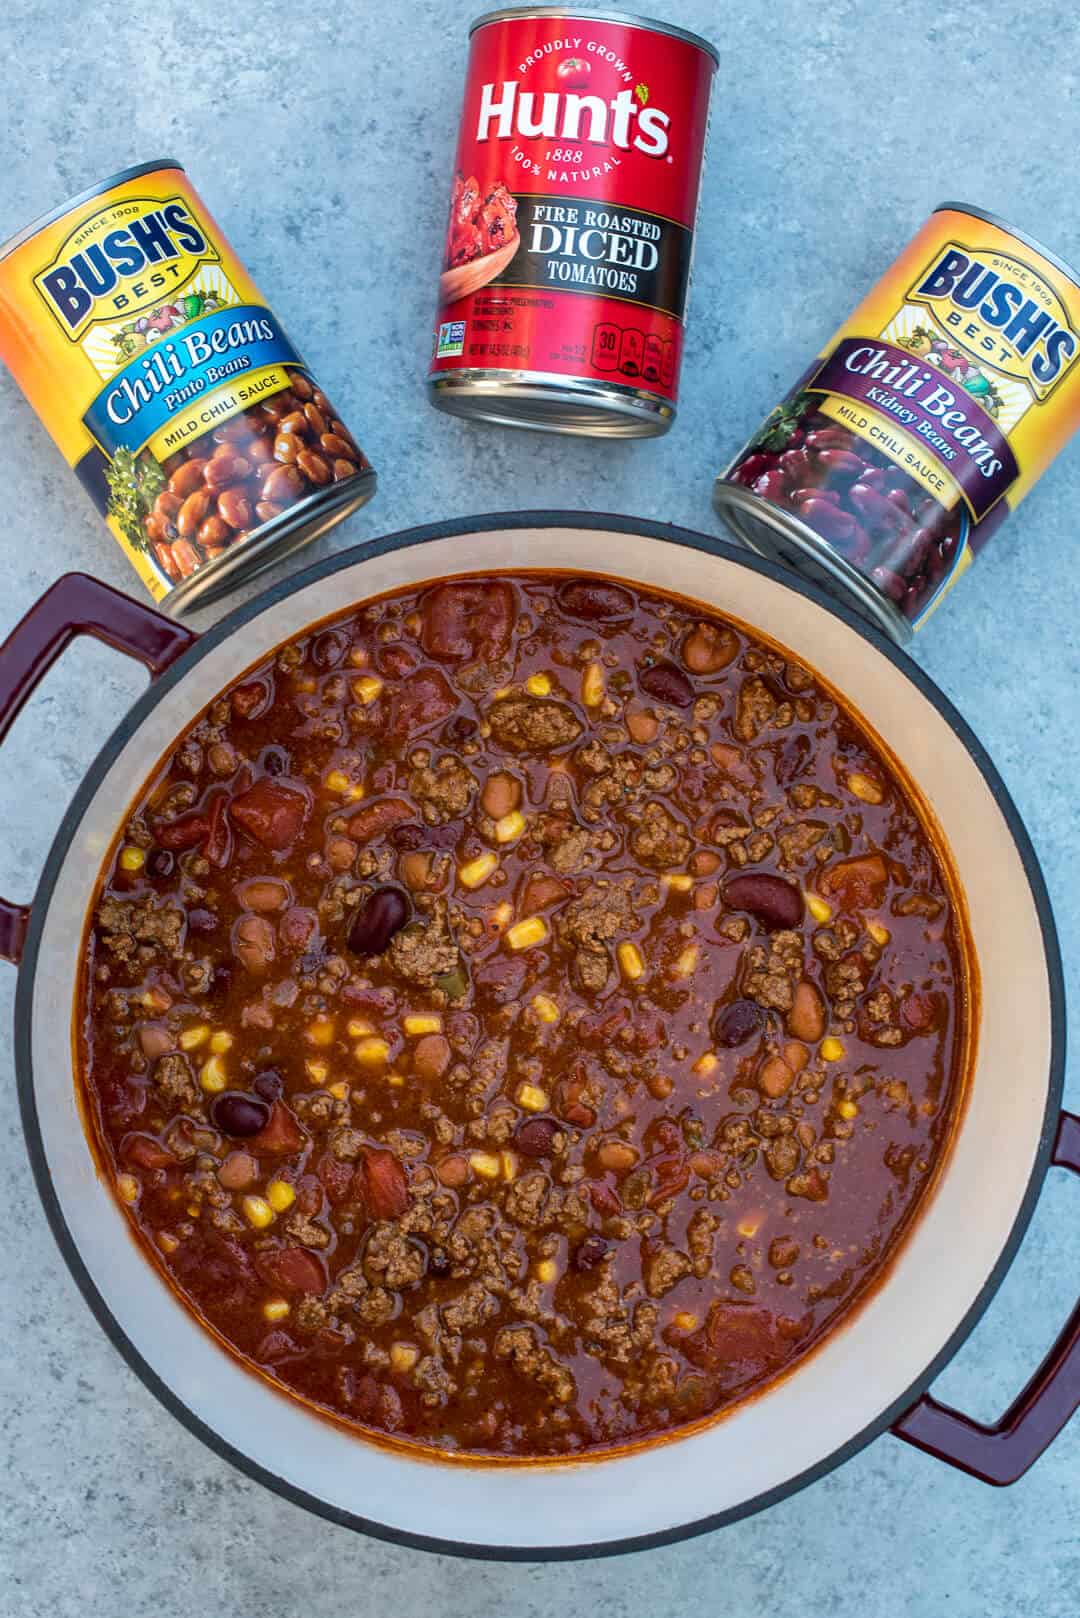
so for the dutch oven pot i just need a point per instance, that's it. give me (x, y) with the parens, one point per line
(868, 1376)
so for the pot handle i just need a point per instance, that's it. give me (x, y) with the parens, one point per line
(75, 605)
(1002, 1453)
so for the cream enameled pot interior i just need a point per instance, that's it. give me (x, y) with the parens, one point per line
(843, 1387)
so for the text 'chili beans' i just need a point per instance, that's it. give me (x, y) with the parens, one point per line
(171, 388)
(570, 237)
(929, 415)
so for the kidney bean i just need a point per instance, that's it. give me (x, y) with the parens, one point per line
(771, 900)
(751, 468)
(820, 492)
(829, 438)
(841, 462)
(313, 466)
(239, 1115)
(589, 1252)
(889, 582)
(827, 519)
(771, 485)
(736, 1023)
(899, 499)
(269, 1084)
(376, 920)
(213, 532)
(187, 478)
(877, 512)
(874, 477)
(796, 465)
(167, 506)
(160, 863)
(235, 508)
(376, 819)
(594, 601)
(534, 1137)
(668, 684)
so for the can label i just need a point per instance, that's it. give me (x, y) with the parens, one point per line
(932, 411)
(570, 237)
(137, 335)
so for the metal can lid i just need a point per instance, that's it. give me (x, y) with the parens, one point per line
(120, 178)
(629, 19)
(1021, 235)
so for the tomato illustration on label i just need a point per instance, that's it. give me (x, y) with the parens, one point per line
(574, 72)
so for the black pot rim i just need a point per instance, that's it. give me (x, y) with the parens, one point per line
(235, 621)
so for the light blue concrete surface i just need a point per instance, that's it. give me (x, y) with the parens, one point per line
(322, 139)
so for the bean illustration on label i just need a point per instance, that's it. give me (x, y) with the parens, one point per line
(925, 421)
(565, 277)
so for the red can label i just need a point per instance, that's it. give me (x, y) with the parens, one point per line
(571, 228)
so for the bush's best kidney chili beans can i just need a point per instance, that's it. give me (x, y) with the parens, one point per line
(171, 388)
(926, 419)
(570, 237)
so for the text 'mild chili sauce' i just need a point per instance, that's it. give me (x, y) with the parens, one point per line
(521, 1015)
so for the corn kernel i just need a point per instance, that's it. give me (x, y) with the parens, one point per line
(532, 1098)
(865, 787)
(213, 1076)
(221, 1042)
(538, 685)
(338, 781)
(818, 907)
(403, 1356)
(630, 961)
(749, 1225)
(508, 1164)
(547, 1271)
(280, 1195)
(707, 1063)
(358, 656)
(847, 1109)
(167, 1242)
(339, 1091)
(354, 792)
(546, 1008)
(509, 826)
(372, 1052)
(685, 1320)
(878, 933)
(474, 873)
(485, 1164)
(366, 688)
(429, 1023)
(679, 881)
(192, 1038)
(132, 858)
(524, 934)
(257, 1212)
(592, 685)
(320, 1032)
(275, 1309)
(395, 1081)
(831, 1050)
(127, 1188)
(501, 914)
(686, 962)
(317, 1072)
(359, 1026)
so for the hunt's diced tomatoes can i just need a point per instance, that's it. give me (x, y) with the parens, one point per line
(171, 388)
(921, 424)
(570, 238)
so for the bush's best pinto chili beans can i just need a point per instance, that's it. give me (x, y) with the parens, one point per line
(570, 237)
(171, 388)
(926, 419)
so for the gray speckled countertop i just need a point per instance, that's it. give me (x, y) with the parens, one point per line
(322, 141)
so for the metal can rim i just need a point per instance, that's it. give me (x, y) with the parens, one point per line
(629, 19)
(1012, 230)
(119, 178)
(731, 502)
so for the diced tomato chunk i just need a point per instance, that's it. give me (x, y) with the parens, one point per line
(280, 1133)
(271, 813)
(293, 1269)
(858, 883)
